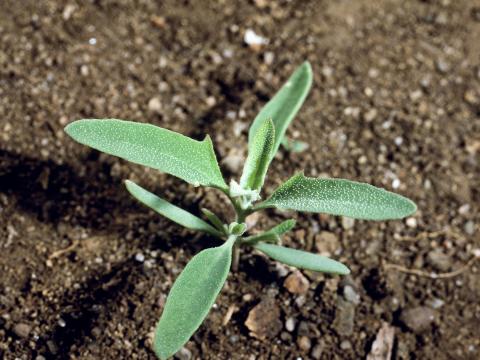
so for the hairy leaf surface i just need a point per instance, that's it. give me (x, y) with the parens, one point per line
(169, 210)
(191, 297)
(339, 197)
(283, 107)
(173, 153)
(259, 156)
(302, 259)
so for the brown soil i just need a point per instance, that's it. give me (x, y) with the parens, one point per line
(395, 102)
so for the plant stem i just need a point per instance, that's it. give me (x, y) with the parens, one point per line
(235, 257)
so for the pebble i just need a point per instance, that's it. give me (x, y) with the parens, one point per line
(344, 318)
(263, 320)
(40, 357)
(442, 65)
(290, 324)
(347, 223)
(411, 222)
(351, 295)
(327, 243)
(254, 41)
(139, 257)
(469, 227)
(296, 283)
(304, 343)
(155, 105)
(439, 260)
(22, 330)
(184, 354)
(418, 319)
(317, 351)
(345, 345)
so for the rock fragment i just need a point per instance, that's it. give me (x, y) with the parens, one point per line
(263, 320)
(418, 319)
(383, 345)
(296, 283)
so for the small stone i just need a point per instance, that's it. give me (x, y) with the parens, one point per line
(290, 324)
(297, 283)
(155, 105)
(411, 222)
(418, 319)
(263, 320)
(345, 345)
(184, 354)
(464, 209)
(435, 303)
(304, 343)
(442, 66)
(22, 330)
(327, 243)
(370, 115)
(344, 318)
(40, 357)
(210, 101)
(351, 295)
(139, 257)
(254, 41)
(469, 227)
(347, 223)
(439, 260)
(383, 345)
(470, 97)
(269, 57)
(317, 351)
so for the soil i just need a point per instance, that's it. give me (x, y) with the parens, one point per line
(85, 270)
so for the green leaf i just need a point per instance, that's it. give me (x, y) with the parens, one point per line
(214, 219)
(272, 235)
(283, 227)
(170, 211)
(283, 107)
(191, 160)
(259, 156)
(339, 197)
(302, 259)
(191, 298)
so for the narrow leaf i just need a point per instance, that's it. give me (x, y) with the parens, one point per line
(259, 156)
(191, 298)
(283, 107)
(191, 160)
(339, 197)
(283, 227)
(272, 235)
(169, 210)
(214, 219)
(302, 259)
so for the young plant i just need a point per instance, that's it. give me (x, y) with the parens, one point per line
(196, 288)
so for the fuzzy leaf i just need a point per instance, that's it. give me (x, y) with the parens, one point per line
(191, 298)
(283, 227)
(214, 219)
(170, 211)
(283, 107)
(302, 259)
(173, 153)
(272, 235)
(339, 197)
(259, 156)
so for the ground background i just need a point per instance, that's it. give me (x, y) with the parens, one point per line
(395, 102)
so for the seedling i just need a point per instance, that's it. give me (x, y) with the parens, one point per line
(196, 288)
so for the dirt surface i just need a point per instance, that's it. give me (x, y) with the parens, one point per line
(85, 270)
